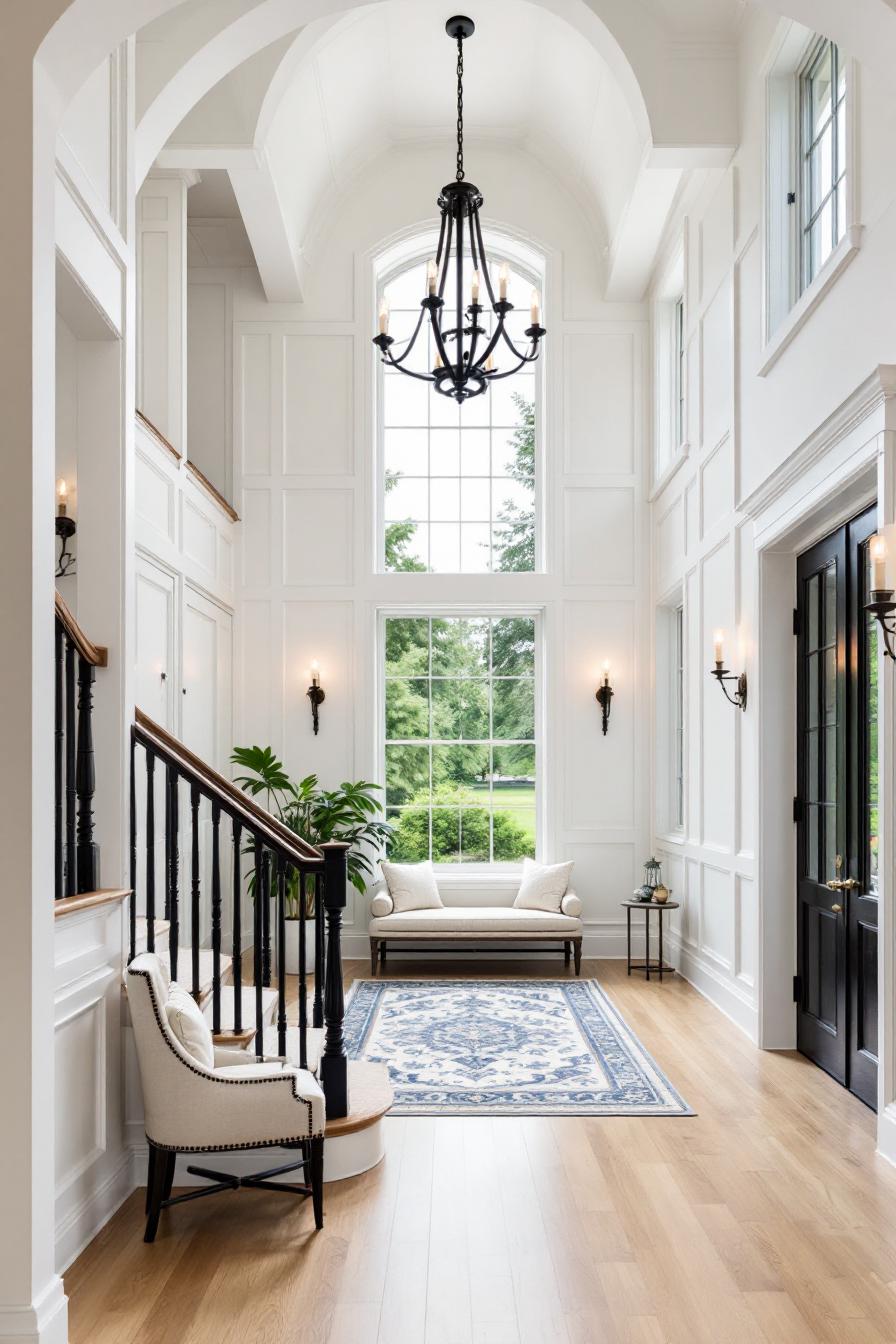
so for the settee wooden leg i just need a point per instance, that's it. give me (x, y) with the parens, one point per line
(567, 952)
(577, 952)
(374, 950)
(383, 953)
(316, 1180)
(159, 1165)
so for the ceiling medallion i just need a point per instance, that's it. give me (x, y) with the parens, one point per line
(465, 361)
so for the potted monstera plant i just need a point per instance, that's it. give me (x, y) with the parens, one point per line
(350, 813)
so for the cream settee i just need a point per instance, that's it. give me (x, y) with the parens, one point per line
(469, 916)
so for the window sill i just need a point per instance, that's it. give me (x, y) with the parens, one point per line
(810, 298)
(668, 471)
(671, 838)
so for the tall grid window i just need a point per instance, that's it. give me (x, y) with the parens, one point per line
(822, 156)
(460, 749)
(678, 720)
(679, 373)
(458, 481)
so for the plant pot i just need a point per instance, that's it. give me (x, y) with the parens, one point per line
(292, 946)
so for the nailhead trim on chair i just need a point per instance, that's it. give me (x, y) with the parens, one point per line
(224, 1082)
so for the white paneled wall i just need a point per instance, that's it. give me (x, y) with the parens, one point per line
(304, 445)
(744, 433)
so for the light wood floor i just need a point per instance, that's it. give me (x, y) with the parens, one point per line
(764, 1219)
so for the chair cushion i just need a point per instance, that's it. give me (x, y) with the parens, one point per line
(186, 1020)
(249, 1070)
(475, 919)
(412, 886)
(543, 886)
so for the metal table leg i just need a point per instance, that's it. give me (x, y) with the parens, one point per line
(628, 936)
(660, 917)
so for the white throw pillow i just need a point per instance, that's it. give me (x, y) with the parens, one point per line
(543, 886)
(412, 886)
(189, 1026)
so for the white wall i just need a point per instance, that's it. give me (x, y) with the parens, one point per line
(742, 428)
(304, 445)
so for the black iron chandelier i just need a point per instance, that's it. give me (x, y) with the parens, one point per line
(465, 351)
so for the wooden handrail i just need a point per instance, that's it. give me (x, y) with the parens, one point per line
(233, 800)
(95, 654)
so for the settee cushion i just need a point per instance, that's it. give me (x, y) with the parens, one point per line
(189, 1025)
(412, 886)
(473, 920)
(543, 886)
(381, 904)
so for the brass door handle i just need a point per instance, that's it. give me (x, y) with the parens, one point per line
(847, 884)
(837, 909)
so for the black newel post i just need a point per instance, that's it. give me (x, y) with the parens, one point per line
(71, 797)
(172, 912)
(334, 1065)
(85, 781)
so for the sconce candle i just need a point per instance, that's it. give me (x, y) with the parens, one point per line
(882, 606)
(604, 695)
(721, 673)
(315, 694)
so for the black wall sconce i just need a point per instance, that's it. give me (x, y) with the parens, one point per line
(882, 605)
(604, 695)
(316, 695)
(721, 673)
(65, 529)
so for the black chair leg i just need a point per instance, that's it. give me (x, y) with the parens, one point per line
(156, 1194)
(170, 1164)
(316, 1179)
(567, 952)
(374, 955)
(577, 953)
(150, 1174)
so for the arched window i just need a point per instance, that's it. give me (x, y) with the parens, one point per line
(458, 483)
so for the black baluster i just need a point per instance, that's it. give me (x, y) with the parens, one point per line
(71, 796)
(237, 937)
(281, 954)
(216, 919)
(133, 823)
(266, 923)
(334, 1065)
(319, 950)
(59, 865)
(303, 980)
(171, 867)
(195, 889)
(85, 781)
(256, 945)
(150, 852)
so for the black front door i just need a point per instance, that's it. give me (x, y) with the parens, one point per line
(837, 810)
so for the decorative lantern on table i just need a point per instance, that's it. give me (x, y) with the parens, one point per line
(652, 883)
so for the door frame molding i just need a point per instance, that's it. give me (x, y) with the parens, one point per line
(847, 464)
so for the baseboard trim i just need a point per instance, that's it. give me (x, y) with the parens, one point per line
(79, 1227)
(720, 992)
(44, 1321)
(886, 1134)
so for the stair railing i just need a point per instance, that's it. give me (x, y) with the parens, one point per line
(278, 857)
(76, 661)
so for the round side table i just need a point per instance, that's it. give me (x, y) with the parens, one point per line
(648, 964)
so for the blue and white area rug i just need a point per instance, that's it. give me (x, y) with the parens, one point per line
(505, 1047)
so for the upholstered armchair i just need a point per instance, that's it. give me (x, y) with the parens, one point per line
(199, 1098)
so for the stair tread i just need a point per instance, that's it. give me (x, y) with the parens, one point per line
(370, 1096)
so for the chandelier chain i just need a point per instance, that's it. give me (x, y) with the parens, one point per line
(460, 108)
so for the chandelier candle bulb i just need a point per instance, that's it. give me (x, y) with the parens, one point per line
(474, 288)
(535, 308)
(61, 496)
(432, 275)
(503, 277)
(384, 317)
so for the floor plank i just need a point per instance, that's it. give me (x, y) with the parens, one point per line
(766, 1218)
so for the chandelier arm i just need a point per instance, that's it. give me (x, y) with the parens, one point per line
(496, 336)
(508, 373)
(528, 356)
(474, 340)
(410, 345)
(448, 236)
(484, 260)
(437, 334)
(410, 373)
(441, 240)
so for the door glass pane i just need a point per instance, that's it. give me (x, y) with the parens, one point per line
(812, 841)
(812, 612)
(813, 668)
(829, 861)
(830, 604)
